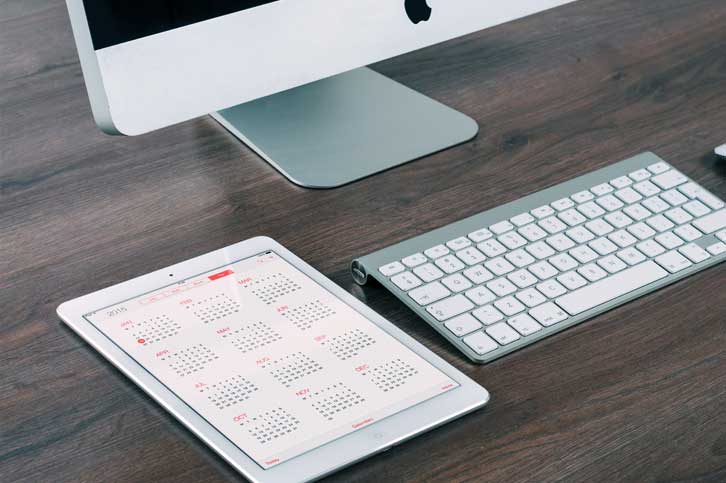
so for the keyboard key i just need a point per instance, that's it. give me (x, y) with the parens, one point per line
(580, 234)
(696, 209)
(647, 189)
(449, 264)
(711, 223)
(710, 200)
(590, 210)
(501, 227)
(694, 253)
(502, 333)
(501, 287)
(488, 315)
(611, 288)
(543, 212)
(603, 246)
(602, 189)
(478, 274)
(563, 262)
(631, 256)
(499, 266)
(628, 196)
(641, 231)
(552, 225)
(480, 295)
(548, 314)
(428, 272)
(673, 261)
(414, 260)
(656, 204)
(458, 243)
(637, 212)
(658, 168)
(651, 248)
(563, 204)
(480, 343)
(480, 235)
(521, 220)
(560, 242)
(673, 197)
(429, 294)
(530, 297)
(519, 258)
(540, 250)
(572, 217)
(582, 197)
(691, 189)
(572, 280)
(599, 227)
(717, 248)
(721, 235)
(391, 269)
(450, 307)
(456, 283)
(592, 272)
(512, 240)
(622, 238)
(612, 264)
(618, 219)
(621, 182)
(688, 233)
(669, 240)
(463, 325)
(551, 288)
(522, 278)
(532, 232)
(583, 254)
(639, 175)
(436, 252)
(678, 216)
(660, 223)
(470, 256)
(406, 281)
(669, 179)
(609, 203)
(509, 306)
(492, 248)
(524, 324)
(543, 270)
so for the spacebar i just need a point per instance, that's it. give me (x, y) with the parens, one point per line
(611, 288)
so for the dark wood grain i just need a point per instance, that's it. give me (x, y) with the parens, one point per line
(636, 394)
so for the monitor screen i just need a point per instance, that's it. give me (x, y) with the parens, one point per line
(113, 22)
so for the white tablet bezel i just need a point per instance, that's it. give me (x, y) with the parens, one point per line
(315, 463)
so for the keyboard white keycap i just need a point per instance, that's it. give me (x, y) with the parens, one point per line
(501, 287)
(450, 264)
(631, 256)
(563, 204)
(563, 262)
(658, 168)
(543, 212)
(621, 182)
(612, 264)
(711, 223)
(436, 252)
(641, 231)
(694, 253)
(582, 197)
(691, 189)
(560, 242)
(599, 227)
(602, 189)
(540, 250)
(591, 210)
(551, 288)
(501, 227)
(480, 235)
(688, 232)
(480, 295)
(458, 243)
(543, 270)
(678, 216)
(499, 266)
(470, 256)
(592, 272)
(480, 343)
(509, 306)
(530, 297)
(673, 197)
(502, 333)
(580, 234)
(656, 204)
(414, 260)
(603, 246)
(651, 248)
(637, 212)
(522, 278)
(548, 314)
(512, 240)
(660, 223)
(628, 196)
(532, 232)
(491, 248)
(524, 324)
(406, 281)
(673, 261)
(456, 283)
(463, 325)
(488, 315)
(428, 272)
(392, 269)
(618, 219)
(640, 175)
(519, 258)
(450, 307)
(696, 209)
(646, 188)
(521, 220)
(622, 238)
(572, 217)
(721, 235)
(669, 179)
(710, 200)
(572, 280)
(717, 248)
(611, 288)
(583, 254)
(609, 203)
(669, 240)
(552, 225)
(429, 294)
(478, 274)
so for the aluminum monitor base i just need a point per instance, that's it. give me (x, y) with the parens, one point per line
(344, 128)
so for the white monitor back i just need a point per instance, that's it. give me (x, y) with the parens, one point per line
(162, 79)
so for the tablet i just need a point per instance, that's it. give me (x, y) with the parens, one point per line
(284, 374)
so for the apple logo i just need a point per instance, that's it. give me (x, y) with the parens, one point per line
(418, 10)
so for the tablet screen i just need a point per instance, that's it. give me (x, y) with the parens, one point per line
(270, 358)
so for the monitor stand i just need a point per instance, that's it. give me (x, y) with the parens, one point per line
(344, 128)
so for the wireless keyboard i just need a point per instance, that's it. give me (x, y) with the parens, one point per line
(510, 276)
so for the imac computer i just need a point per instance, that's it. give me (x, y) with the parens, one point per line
(287, 77)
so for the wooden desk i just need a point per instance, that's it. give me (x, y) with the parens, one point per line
(636, 394)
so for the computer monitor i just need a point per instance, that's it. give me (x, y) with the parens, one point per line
(285, 76)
